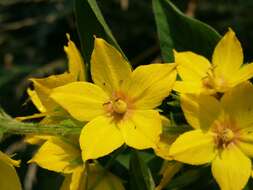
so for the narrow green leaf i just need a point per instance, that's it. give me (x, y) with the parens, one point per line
(180, 32)
(90, 23)
(140, 175)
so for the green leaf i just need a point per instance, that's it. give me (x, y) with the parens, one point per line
(90, 23)
(189, 177)
(124, 160)
(140, 175)
(180, 32)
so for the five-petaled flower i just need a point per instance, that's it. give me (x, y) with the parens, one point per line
(226, 71)
(120, 105)
(222, 135)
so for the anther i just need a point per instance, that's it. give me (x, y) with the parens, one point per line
(119, 106)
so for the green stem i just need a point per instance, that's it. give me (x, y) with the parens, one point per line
(10, 125)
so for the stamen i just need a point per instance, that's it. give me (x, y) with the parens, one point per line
(227, 135)
(119, 106)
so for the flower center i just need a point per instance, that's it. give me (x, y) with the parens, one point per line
(119, 106)
(227, 135)
(214, 82)
(208, 81)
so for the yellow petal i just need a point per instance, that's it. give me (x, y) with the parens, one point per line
(169, 170)
(40, 98)
(83, 100)
(8, 177)
(228, 55)
(239, 105)
(191, 66)
(209, 110)
(100, 137)
(194, 147)
(244, 73)
(76, 63)
(5, 158)
(36, 101)
(246, 146)
(78, 179)
(190, 107)
(143, 130)
(75, 181)
(36, 139)
(42, 89)
(192, 87)
(163, 147)
(53, 81)
(100, 179)
(57, 155)
(66, 182)
(150, 84)
(166, 139)
(96, 177)
(108, 67)
(34, 116)
(231, 169)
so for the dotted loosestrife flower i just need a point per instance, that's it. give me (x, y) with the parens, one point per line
(8, 176)
(43, 86)
(61, 155)
(120, 105)
(222, 135)
(226, 71)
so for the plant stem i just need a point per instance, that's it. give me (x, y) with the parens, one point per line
(10, 125)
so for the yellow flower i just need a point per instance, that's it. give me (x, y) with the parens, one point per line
(43, 86)
(222, 135)
(8, 177)
(98, 179)
(165, 141)
(120, 105)
(168, 171)
(226, 71)
(49, 109)
(61, 155)
(169, 168)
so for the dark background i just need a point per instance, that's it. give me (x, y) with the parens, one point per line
(32, 35)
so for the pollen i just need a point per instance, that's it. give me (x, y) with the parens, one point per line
(119, 106)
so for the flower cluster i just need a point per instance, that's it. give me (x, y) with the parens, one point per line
(119, 107)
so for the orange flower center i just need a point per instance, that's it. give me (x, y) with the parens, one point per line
(119, 106)
(225, 133)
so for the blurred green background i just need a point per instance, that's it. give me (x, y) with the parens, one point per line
(32, 36)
